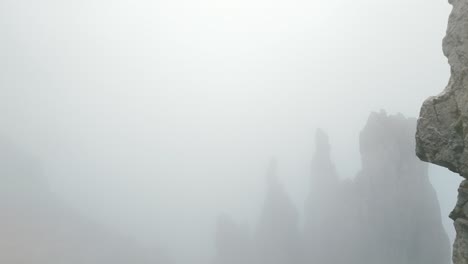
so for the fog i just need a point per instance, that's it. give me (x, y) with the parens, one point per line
(152, 118)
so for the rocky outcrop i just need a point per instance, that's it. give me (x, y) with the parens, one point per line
(442, 132)
(442, 126)
(460, 216)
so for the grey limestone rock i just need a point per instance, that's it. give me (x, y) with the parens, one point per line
(442, 132)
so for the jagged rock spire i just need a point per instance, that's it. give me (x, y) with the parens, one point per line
(321, 214)
(277, 234)
(324, 174)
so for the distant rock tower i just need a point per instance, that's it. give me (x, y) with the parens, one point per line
(389, 213)
(321, 205)
(399, 207)
(277, 237)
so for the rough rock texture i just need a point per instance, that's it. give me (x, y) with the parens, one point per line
(442, 132)
(442, 127)
(460, 216)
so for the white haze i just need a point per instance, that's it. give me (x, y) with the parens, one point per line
(153, 117)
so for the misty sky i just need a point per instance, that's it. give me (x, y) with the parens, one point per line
(155, 116)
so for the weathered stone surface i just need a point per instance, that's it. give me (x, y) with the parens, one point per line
(461, 208)
(442, 132)
(460, 247)
(442, 127)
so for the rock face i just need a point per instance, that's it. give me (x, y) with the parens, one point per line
(442, 132)
(442, 126)
(460, 216)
